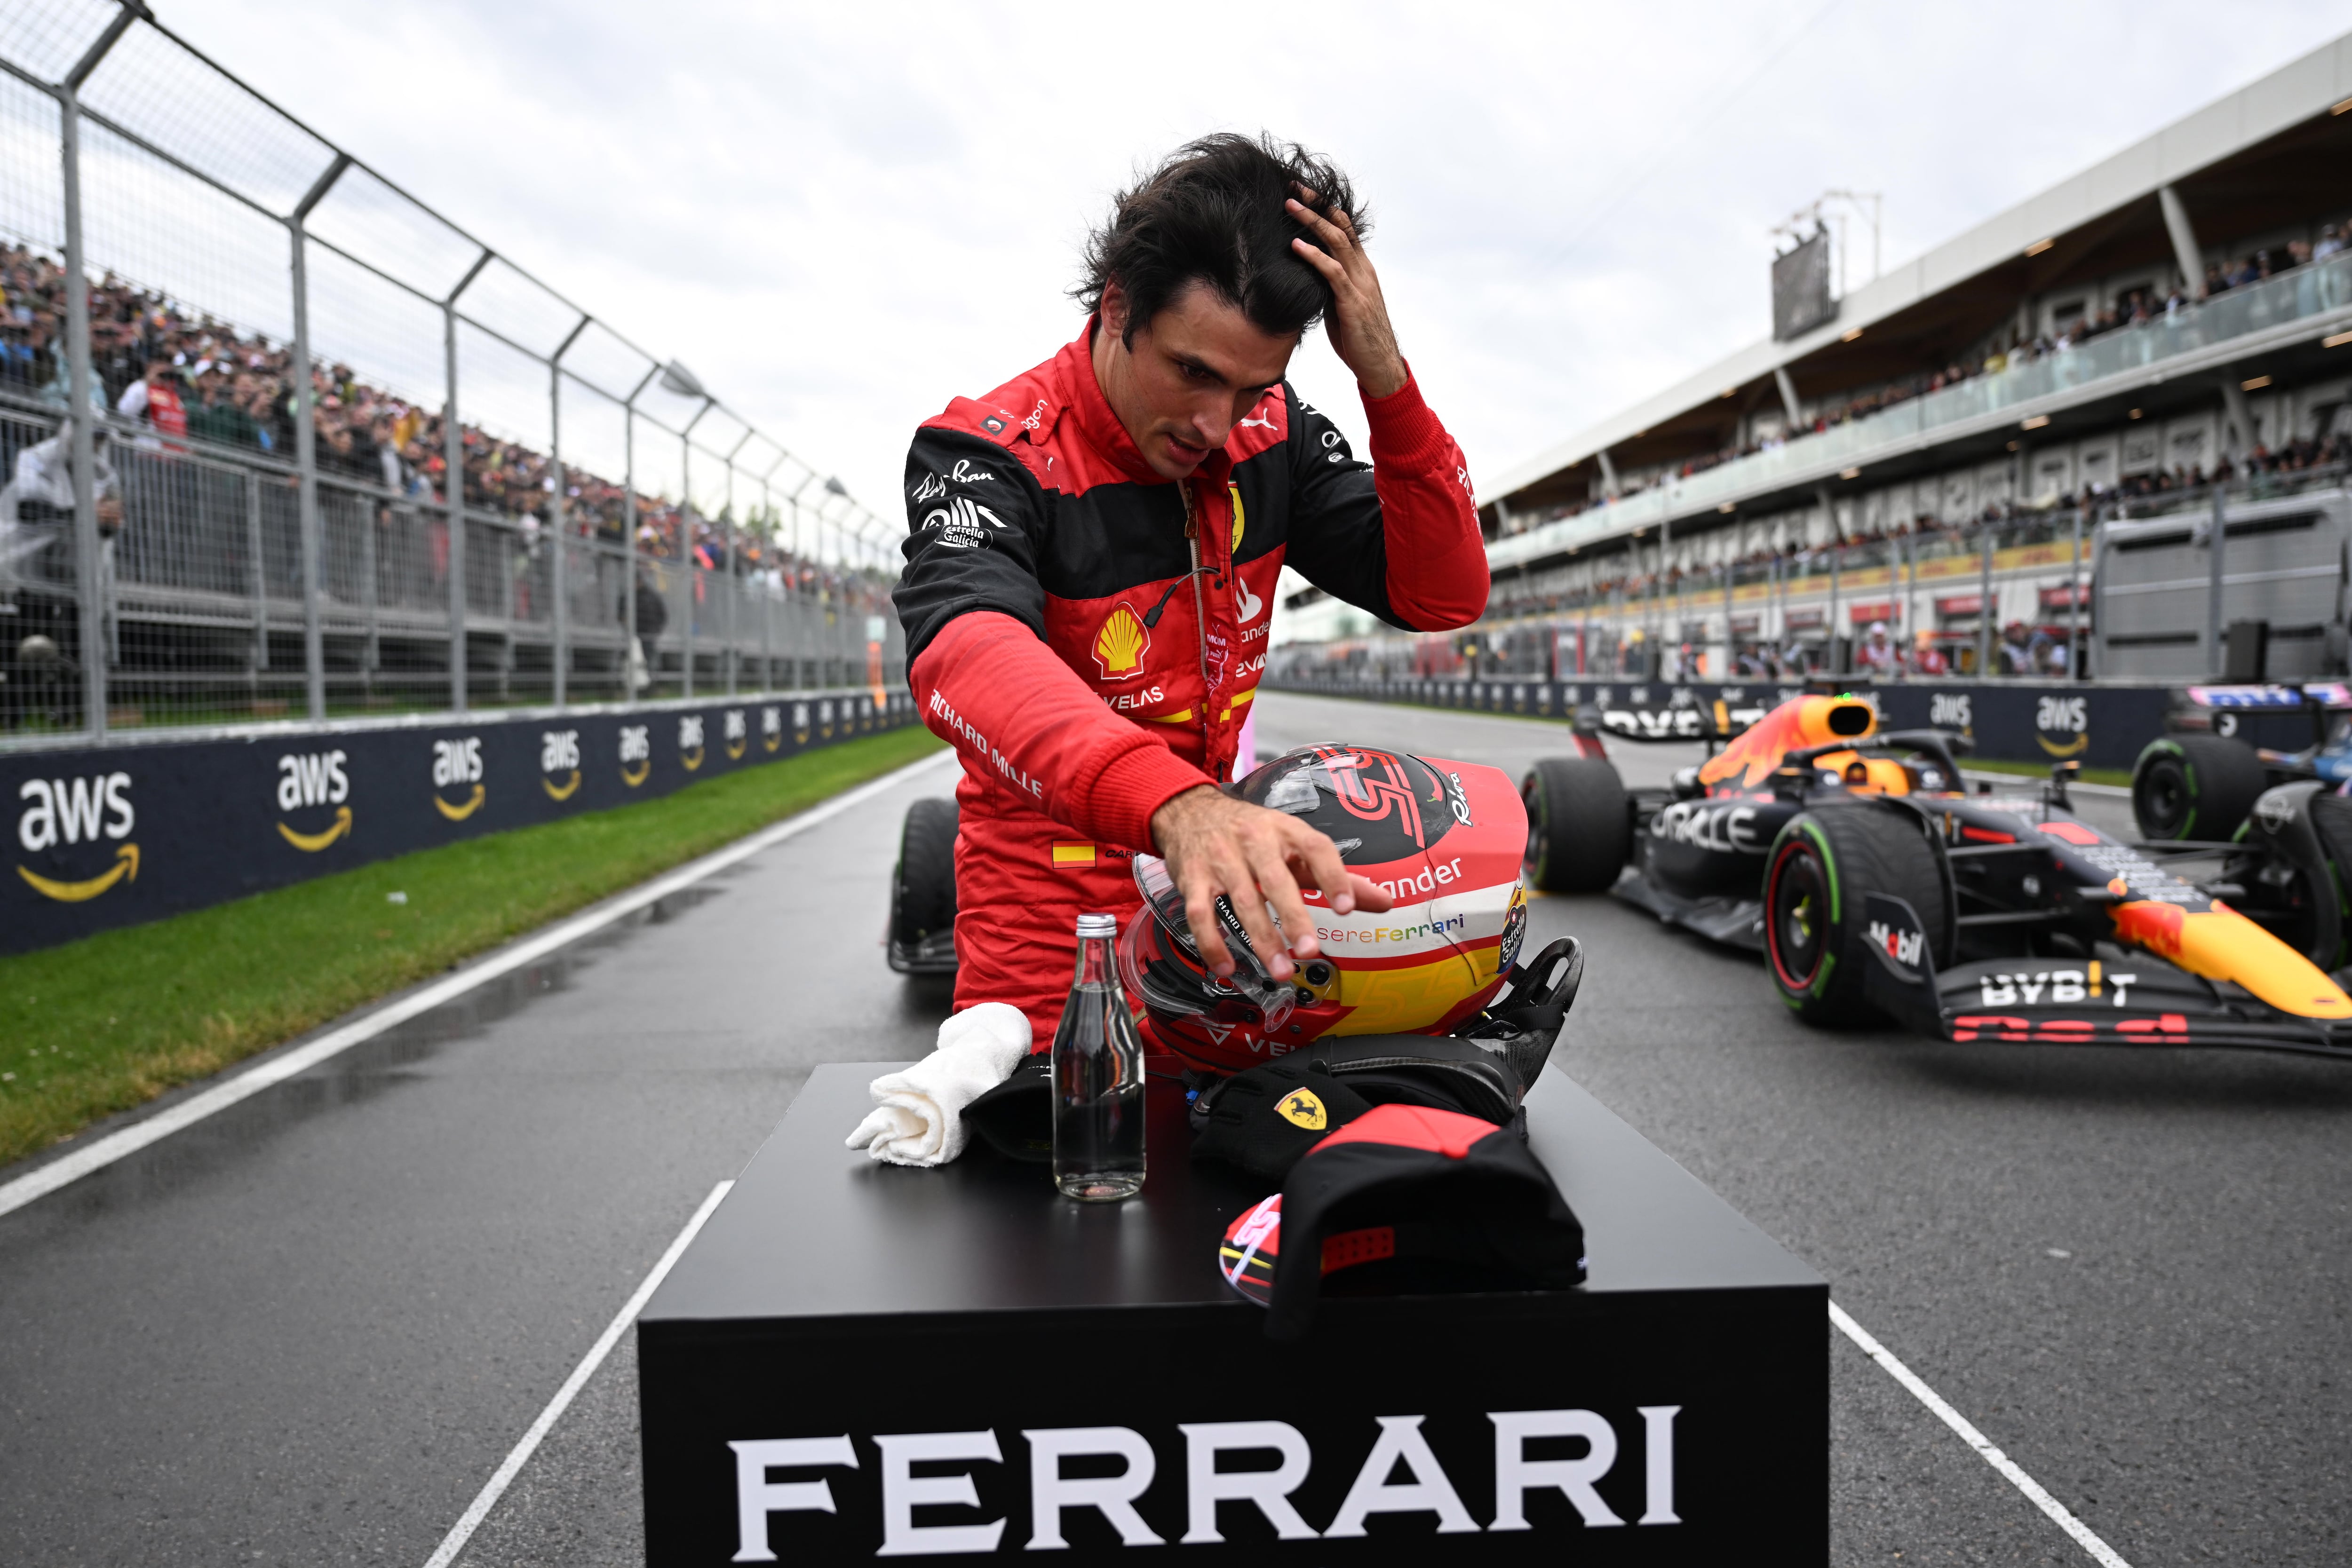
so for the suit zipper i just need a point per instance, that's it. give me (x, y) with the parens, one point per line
(1200, 607)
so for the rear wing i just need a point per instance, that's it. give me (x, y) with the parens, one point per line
(1714, 722)
(2332, 695)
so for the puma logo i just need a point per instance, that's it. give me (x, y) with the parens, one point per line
(1265, 423)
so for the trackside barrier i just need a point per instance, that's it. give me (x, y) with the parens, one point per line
(128, 833)
(2097, 724)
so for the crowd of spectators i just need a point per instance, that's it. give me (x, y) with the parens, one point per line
(2138, 307)
(173, 373)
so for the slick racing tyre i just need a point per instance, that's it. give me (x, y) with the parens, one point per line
(2195, 787)
(1579, 830)
(1819, 868)
(923, 890)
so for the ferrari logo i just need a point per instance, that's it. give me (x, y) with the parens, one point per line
(1235, 491)
(1301, 1109)
(1121, 644)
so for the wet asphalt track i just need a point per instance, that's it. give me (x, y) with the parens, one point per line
(308, 1330)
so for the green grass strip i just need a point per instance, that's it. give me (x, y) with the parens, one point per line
(113, 1020)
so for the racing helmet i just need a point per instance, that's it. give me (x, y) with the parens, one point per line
(1445, 840)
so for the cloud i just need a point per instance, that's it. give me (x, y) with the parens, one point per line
(843, 216)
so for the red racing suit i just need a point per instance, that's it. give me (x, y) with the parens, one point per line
(1089, 636)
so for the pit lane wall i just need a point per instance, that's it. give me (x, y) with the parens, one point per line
(2098, 724)
(111, 836)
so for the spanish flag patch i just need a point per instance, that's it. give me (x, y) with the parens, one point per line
(1070, 855)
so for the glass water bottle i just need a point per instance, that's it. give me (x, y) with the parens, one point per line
(1097, 1078)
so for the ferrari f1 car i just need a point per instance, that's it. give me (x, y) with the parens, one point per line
(1854, 861)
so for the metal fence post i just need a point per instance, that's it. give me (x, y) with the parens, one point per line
(80, 440)
(558, 590)
(306, 442)
(2218, 536)
(630, 650)
(260, 573)
(1984, 607)
(686, 543)
(453, 485)
(2074, 656)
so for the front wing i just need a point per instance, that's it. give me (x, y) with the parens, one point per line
(2138, 1000)
(1734, 921)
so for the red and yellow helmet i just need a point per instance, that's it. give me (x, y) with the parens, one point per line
(1445, 840)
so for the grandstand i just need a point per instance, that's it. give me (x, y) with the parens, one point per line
(2006, 453)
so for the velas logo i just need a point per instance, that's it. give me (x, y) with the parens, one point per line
(737, 730)
(558, 760)
(310, 779)
(800, 724)
(1120, 644)
(64, 814)
(636, 753)
(772, 728)
(689, 741)
(1401, 1475)
(457, 764)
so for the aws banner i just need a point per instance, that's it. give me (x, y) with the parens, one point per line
(113, 836)
(2010, 721)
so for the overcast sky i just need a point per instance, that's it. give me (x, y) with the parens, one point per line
(843, 216)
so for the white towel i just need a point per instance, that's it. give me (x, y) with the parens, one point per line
(918, 1118)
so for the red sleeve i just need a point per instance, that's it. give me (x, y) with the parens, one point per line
(1437, 576)
(1024, 722)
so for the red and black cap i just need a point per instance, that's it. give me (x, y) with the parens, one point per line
(1434, 1200)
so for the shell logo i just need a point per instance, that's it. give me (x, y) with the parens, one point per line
(1121, 644)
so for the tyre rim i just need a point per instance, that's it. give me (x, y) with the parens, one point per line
(2166, 796)
(1797, 907)
(1535, 834)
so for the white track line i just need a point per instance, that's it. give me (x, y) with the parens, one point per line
(2103, 1554)
(495, 1489)
(37, 1184)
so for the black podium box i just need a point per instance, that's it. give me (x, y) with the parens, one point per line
(856, 1360)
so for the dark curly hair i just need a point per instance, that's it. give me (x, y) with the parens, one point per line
(1213, 210)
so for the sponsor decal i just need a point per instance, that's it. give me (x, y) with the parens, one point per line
(772, 728)
(1950, 710)
(1120, 644)
(558, 758)
(2275, 811)
(1722, 827)
(963, 523)
(738, 731)
(825, 719)
(689, 741)
(945, 712)
(800, 724)
(636, 754)
(935, 485)
(455, 763)
(1515, 931)
(1123, 702)
(1302, 1109)
(994, 424)
(1457, 798)
(2058, 986)
(2068, 717)
(72, 811)
(1901, 947)
(314, 778)
(1401, 1475)
(1233, 493)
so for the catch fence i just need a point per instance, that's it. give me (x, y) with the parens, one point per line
(281, 441)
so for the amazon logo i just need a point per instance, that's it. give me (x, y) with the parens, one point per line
(306, 780)
(824, 718)
(559, 759)
(739, 733)
(772, 728)
(800, 724)
(689, 741)
(69, 812)
(455, 763)
(636, 753)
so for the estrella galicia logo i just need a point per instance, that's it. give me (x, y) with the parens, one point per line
(739, 735)
(558, 758)
(636, 753)
(62, 814)
(458, 763)
(772, 728)
(689, 741)
(309, 779)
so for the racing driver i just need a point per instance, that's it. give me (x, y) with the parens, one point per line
(1092, 557)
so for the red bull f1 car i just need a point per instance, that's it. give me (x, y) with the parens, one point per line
(1873, 883)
